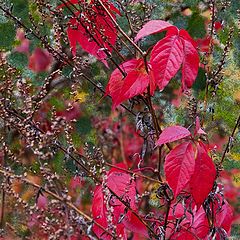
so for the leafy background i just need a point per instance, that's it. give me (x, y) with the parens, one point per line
(97, 125)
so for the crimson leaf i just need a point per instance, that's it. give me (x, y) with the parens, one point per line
(40, 60)
(99, 212)
(135, 82)
(223, 215)
(88, 33)
(173, 133)
(151, 27)
(167, 56)
(179, 166)
(166, 59)
(200, 224)
(112, 8)
(190, 61)
(198, 129)
(123, 186)
(204, 175)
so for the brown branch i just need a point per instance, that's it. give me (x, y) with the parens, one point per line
(3, 195)
(2, 208)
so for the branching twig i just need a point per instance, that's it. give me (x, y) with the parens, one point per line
(59, 54)
(65, 201)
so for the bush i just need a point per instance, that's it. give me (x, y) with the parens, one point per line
(119, 119)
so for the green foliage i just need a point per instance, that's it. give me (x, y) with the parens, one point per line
(196, 25)
(7, 33)
(21, 10)
(18, 60)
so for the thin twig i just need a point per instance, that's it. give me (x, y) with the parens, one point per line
(230, 140)
(133, 173)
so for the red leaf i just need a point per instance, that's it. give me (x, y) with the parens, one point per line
(123, 186)
(190, 62)
(171, 134)
(135, 83)
(193, 221)
(68, 3)
(99, 212)
(166, 59)
(186, 235)
(204, 175)
(116, 80)
(200, 224)
(40, 60)
(218, 26)
(80, 31)
(135, 225)
(151, 27)
(179, 166)
(23, 47)
(204, 44)
(42, 202)
(185, 36)
(224, 217)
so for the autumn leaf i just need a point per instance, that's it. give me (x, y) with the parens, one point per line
(224, 216)
(87, 30)
(80, 96)
(179, 166)
(170, 53)
(166, 59)
(83, 33)
(190, 63)
(171, 134)
(40, 60)
(121, 88)
(153, 26)
(109, 5)
(204, 175)
(200, 224)
(24, 43)
(198, 129)
(121, 184)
